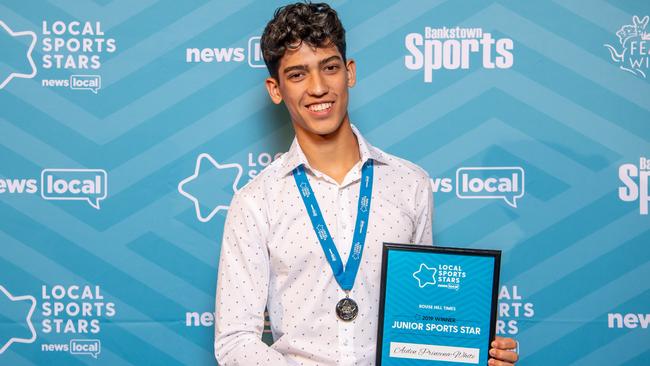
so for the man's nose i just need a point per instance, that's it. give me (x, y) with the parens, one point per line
(317, 85)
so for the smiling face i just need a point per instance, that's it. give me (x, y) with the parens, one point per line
(313, 83)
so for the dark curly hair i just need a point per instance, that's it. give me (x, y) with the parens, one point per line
(315, 23)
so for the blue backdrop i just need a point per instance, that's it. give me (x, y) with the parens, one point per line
(126, 126)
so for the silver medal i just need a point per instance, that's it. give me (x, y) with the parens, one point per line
(347, 309)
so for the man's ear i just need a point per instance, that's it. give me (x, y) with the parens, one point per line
(273, 87)
(351, 67)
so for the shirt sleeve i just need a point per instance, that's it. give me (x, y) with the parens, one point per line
(242, 287)
(424, 211)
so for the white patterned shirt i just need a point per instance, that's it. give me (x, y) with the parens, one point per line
(271, 257)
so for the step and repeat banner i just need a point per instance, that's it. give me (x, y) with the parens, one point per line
(126, 126)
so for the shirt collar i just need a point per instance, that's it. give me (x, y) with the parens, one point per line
(296, 157)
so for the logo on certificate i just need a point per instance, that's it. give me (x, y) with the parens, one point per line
(447, 276)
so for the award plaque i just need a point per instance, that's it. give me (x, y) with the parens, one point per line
(438, 306)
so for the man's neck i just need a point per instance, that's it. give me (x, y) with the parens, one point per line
(333, 154)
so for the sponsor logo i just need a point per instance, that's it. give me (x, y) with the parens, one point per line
(65, 47)
(90, 347)
(513, 307)
(86, 82)
(632, 54)
(456, 48)
(447, 276)
(252, 53)
(635, 184)
(505, 183)
(90, 185)
(629, 321)
(65, 311)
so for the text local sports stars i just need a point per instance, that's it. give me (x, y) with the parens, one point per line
(331, 197)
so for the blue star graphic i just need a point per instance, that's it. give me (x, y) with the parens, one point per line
(425, 275)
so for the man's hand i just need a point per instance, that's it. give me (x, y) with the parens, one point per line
(502, 353)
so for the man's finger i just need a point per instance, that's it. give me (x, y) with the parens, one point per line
(493, 362)
(504, 343)
(503, 355)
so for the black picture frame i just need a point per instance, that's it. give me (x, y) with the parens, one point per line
(388, 247)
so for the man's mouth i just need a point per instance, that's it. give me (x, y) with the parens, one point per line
(320, 107)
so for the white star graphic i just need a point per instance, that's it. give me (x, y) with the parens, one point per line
(197, 170)
(423, 277)
(29, 54)
(28, 319)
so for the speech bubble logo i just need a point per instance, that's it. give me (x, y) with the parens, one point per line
(92, 347)
(86, 82)
(75, 185)
(255, 58)
(505, 183)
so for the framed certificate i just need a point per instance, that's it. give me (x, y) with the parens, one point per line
(438, 306)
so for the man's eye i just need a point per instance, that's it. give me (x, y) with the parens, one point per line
(295, 76)
(331, 67)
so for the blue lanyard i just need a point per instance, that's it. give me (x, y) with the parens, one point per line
(344, 276)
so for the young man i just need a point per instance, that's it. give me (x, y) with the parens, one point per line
(331, 196)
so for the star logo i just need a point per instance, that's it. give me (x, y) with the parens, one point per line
(210, 186)
(11, 60)
(425, 275)
(19, 308)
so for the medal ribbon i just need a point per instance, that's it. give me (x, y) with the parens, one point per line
(344, 276)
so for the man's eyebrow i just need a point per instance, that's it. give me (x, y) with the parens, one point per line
(296, 67)
(305, 67)
(331, 58)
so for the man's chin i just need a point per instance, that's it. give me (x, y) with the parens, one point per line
(322, 128)
(326, 130)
